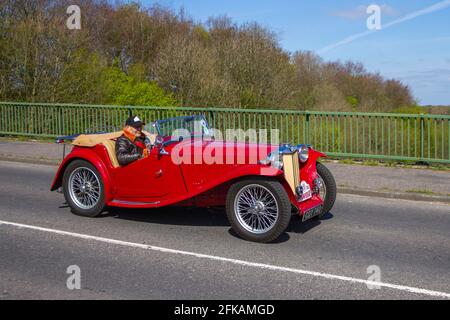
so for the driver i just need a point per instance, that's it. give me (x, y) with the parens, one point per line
(130, 146)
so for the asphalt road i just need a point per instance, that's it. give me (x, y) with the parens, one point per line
(176, 253)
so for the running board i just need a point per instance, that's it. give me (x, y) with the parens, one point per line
(133, 203)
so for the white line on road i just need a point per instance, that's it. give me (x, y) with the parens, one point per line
(234, 261)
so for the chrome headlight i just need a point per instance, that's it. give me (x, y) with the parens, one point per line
(277, 164)
(303, 152)
(273, 159)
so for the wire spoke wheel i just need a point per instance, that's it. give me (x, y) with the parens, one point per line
(322, 188)
(327, 188)
(256, 208)
(84, 188)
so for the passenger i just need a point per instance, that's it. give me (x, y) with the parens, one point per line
(130, 146)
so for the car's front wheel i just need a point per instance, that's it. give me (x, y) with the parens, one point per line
(258, 210)
(83, 189)
(327, 189)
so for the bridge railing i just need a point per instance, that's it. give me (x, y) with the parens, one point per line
(415, 137)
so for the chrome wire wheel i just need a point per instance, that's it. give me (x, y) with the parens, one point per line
(256, 208)
(322, 188)
(84, 188)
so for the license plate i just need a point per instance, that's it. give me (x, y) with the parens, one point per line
(312, 213)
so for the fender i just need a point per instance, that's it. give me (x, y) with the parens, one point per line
(314, 154)
(87, 154)
(308, 169)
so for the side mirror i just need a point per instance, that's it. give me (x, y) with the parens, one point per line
(159, 143)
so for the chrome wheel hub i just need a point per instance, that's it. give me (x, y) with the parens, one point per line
(256, 208)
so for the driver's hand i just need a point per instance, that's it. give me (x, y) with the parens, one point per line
(145, 133)
(151, 137)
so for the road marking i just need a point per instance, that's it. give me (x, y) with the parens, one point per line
(234, 261)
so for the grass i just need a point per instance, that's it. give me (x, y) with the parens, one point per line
(421, 191)
(26, 139)
(372, 163)
(390, 163)
(440, 167)
(347, 161)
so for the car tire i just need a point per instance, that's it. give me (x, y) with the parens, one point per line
(81, 173)
(274, 190)
(330, 185)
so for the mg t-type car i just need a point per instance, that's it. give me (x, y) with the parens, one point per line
(260, 196)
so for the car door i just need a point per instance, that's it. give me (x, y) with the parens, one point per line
(154, 177)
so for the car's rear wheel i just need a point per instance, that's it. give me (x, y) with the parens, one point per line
(83, 189)
(258, 210)
(327, 189)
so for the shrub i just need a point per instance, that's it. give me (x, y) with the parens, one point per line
(122, 89)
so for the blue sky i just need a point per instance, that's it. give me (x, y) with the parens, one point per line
(416, 51)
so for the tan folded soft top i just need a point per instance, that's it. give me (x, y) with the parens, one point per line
(91, 140)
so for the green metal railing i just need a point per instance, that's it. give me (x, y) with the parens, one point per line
(349, 134)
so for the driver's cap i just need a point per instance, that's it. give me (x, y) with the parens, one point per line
(134, 121)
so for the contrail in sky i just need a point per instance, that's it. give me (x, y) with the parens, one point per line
(436, 7)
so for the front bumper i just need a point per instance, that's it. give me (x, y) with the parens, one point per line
(313, 202)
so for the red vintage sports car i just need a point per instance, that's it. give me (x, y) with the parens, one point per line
(260, 192)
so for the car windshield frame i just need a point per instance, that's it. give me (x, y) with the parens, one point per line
(160, 130)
